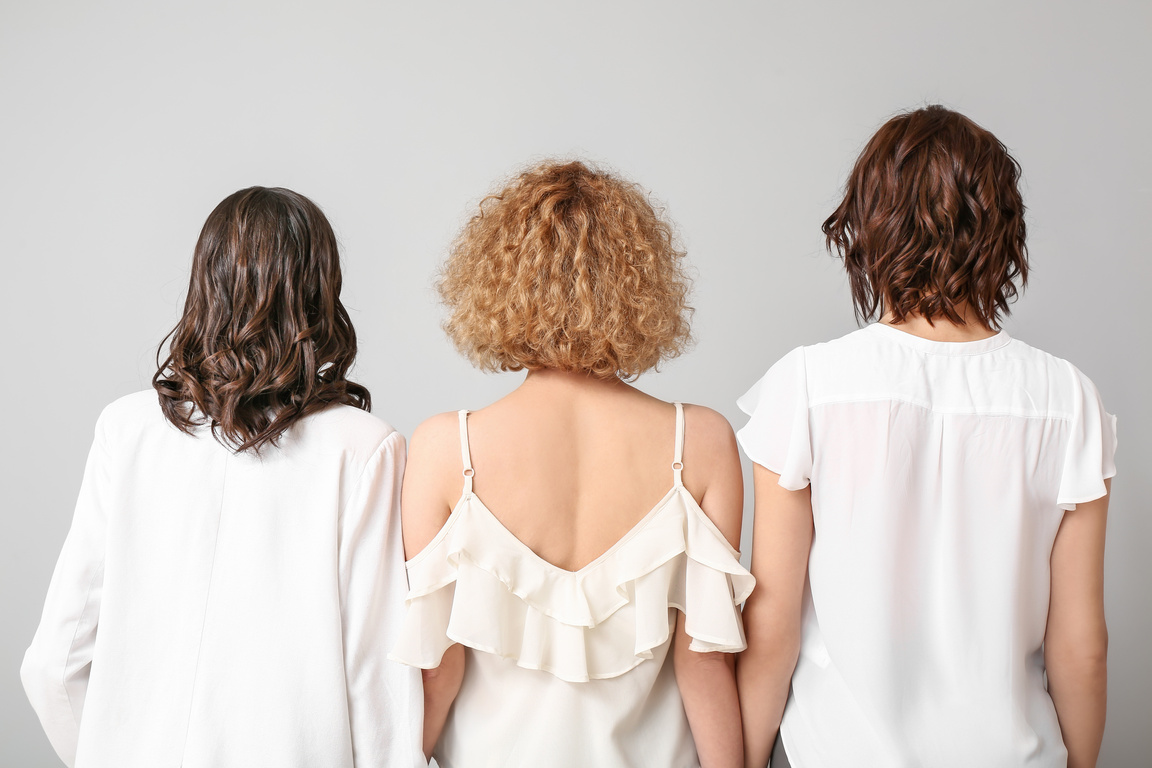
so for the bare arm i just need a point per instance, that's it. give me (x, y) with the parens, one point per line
(707, 681)
(431, 481)
(707, 684)
(1076, 640)
(781, 540)
(440, 688)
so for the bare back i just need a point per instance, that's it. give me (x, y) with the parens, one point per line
(569, 465)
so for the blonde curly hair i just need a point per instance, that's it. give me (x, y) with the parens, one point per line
(567, 267)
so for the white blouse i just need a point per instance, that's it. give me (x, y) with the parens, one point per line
(939, 472)
(212, 609)
(571, 668)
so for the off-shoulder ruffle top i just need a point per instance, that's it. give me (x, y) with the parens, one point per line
(576, 658)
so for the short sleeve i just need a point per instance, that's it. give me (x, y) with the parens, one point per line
(1090, 455)
(777, 433)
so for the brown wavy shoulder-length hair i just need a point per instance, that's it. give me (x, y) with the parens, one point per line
(567, 267)
(932, 220)
(264, 340)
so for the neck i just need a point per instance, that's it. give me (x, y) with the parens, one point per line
(556, 380)
(942, 329)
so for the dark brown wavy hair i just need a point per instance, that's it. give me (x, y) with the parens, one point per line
(264, 340)
(932, 220)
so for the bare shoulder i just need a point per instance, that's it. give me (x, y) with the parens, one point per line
(432, 480)
(434, 458)
(712, 471)
(706, 431)
(437, 435)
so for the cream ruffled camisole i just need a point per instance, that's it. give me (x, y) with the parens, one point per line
(571, 668)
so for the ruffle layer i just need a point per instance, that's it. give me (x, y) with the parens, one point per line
(478, 585)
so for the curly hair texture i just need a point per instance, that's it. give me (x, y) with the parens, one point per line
(569, 268)
(932, 221)
(264, 340)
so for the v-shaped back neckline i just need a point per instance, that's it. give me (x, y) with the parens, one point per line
(631, 533)
(468, 495)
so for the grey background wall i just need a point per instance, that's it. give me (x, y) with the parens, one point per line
(124, 123)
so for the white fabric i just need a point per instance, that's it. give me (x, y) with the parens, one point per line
(210, 609)
(939, 476)
(571, 668)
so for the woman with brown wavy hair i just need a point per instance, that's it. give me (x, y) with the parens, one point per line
(232, 576)
(931, 494)
(574, 577)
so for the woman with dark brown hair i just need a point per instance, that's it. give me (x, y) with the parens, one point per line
(931, 494)
(234, 571)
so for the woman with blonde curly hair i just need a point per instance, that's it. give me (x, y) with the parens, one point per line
(574, 580)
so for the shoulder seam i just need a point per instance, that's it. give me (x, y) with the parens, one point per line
(364, 470)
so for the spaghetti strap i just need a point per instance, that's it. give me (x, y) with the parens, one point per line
(465, 456)
(478, 585)
(678, 456)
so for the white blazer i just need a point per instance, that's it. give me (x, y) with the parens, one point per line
(212, 609)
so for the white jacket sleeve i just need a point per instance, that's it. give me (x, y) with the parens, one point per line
(385, 698)
(56, 666)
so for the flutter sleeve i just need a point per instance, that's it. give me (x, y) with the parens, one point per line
(777, 435)
(1090, 454)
